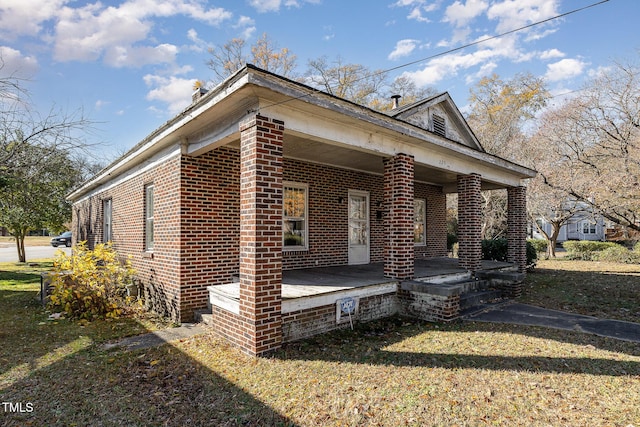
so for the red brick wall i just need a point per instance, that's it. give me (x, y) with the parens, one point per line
(469, 222)
(209, 229)
(436, 221)
(399, 202)
(517, 227)
(159, 271)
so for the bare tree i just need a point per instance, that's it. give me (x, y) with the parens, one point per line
(597, 134)
(38, 154)
(230, 57)
(354, 82)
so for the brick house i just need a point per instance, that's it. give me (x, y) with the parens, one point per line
(263, 177)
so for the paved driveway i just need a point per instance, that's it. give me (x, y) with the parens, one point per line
(10, 253)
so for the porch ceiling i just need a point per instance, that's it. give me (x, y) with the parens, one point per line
(306, 149)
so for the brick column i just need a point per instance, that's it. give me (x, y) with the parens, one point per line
(517, 227)
(261, 234)
(469, 222)
(398, 194)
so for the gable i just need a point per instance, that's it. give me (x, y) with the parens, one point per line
(439, 115)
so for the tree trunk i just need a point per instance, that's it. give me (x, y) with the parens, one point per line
(553, 239)
(22, 256)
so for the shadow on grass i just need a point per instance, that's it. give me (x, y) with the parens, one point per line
(371, 343)
(60, 375)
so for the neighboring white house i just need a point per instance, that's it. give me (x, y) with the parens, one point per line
(582, 226)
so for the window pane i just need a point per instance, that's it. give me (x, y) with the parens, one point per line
(149, 202)
(358, 233)
(419, 221)
(294, 213)
(294, 201)
(106, 226)
(358, 208)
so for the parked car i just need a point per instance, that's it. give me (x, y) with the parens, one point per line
(62, 240)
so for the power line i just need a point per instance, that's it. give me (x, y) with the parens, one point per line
(447, 52)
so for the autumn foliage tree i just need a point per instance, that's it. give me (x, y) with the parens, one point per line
(500, 112)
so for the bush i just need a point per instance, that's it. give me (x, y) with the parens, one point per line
(496, 250)
(91, 283)
(540, 245)
(585, 249)
(617, 253)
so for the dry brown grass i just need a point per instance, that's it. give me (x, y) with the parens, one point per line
(388, 373)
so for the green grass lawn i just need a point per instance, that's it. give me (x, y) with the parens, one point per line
(394, 372)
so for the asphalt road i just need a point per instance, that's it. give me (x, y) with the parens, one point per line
(10, 253)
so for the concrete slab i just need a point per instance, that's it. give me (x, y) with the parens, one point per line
(523, 314)
(154, 339)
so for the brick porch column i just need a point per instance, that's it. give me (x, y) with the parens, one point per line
(517, 227)
(261, 141)
(398, 194)
(469, 222)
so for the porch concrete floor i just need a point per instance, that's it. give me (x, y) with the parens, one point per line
(320, 280)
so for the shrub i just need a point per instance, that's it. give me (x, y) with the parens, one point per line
(617, 253)
(496, 249)
(90, 283)
(540, 245)
(585, 249)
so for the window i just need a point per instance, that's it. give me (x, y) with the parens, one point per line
(419, 222)
(588, 227)
(148, 217)
(294, 217)
(439, 125)
(107, 234)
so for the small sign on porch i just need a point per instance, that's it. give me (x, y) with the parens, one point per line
(346, 308)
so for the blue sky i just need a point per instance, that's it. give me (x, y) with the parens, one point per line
(131, 65)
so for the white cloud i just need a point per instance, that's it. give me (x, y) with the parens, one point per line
(512, 14)
(461, 14)
(247, 26)
(551, 54)
(133, 56)
(447, 66)
(116, 33)
(100, 103)
(403, 48)
(264, 6)
(418, 8)
(173, 91)
(15, 64)
(564, 69)
(25, 18)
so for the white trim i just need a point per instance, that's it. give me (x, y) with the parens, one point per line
(134, 172)
(305, 303)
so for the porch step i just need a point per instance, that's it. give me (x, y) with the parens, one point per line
(474, 301)
(446, 289)
(203, 316)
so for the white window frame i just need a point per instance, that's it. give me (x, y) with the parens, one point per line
(305, 218)
(422, 221)
(149, 202)
(107, 220)
(592, 227)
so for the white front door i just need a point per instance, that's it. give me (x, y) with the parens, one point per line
(358, 227)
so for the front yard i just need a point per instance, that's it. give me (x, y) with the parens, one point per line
(388, 373)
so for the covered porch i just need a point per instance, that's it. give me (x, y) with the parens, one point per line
(316, 300)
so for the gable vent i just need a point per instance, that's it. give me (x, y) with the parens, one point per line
(439, 127)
